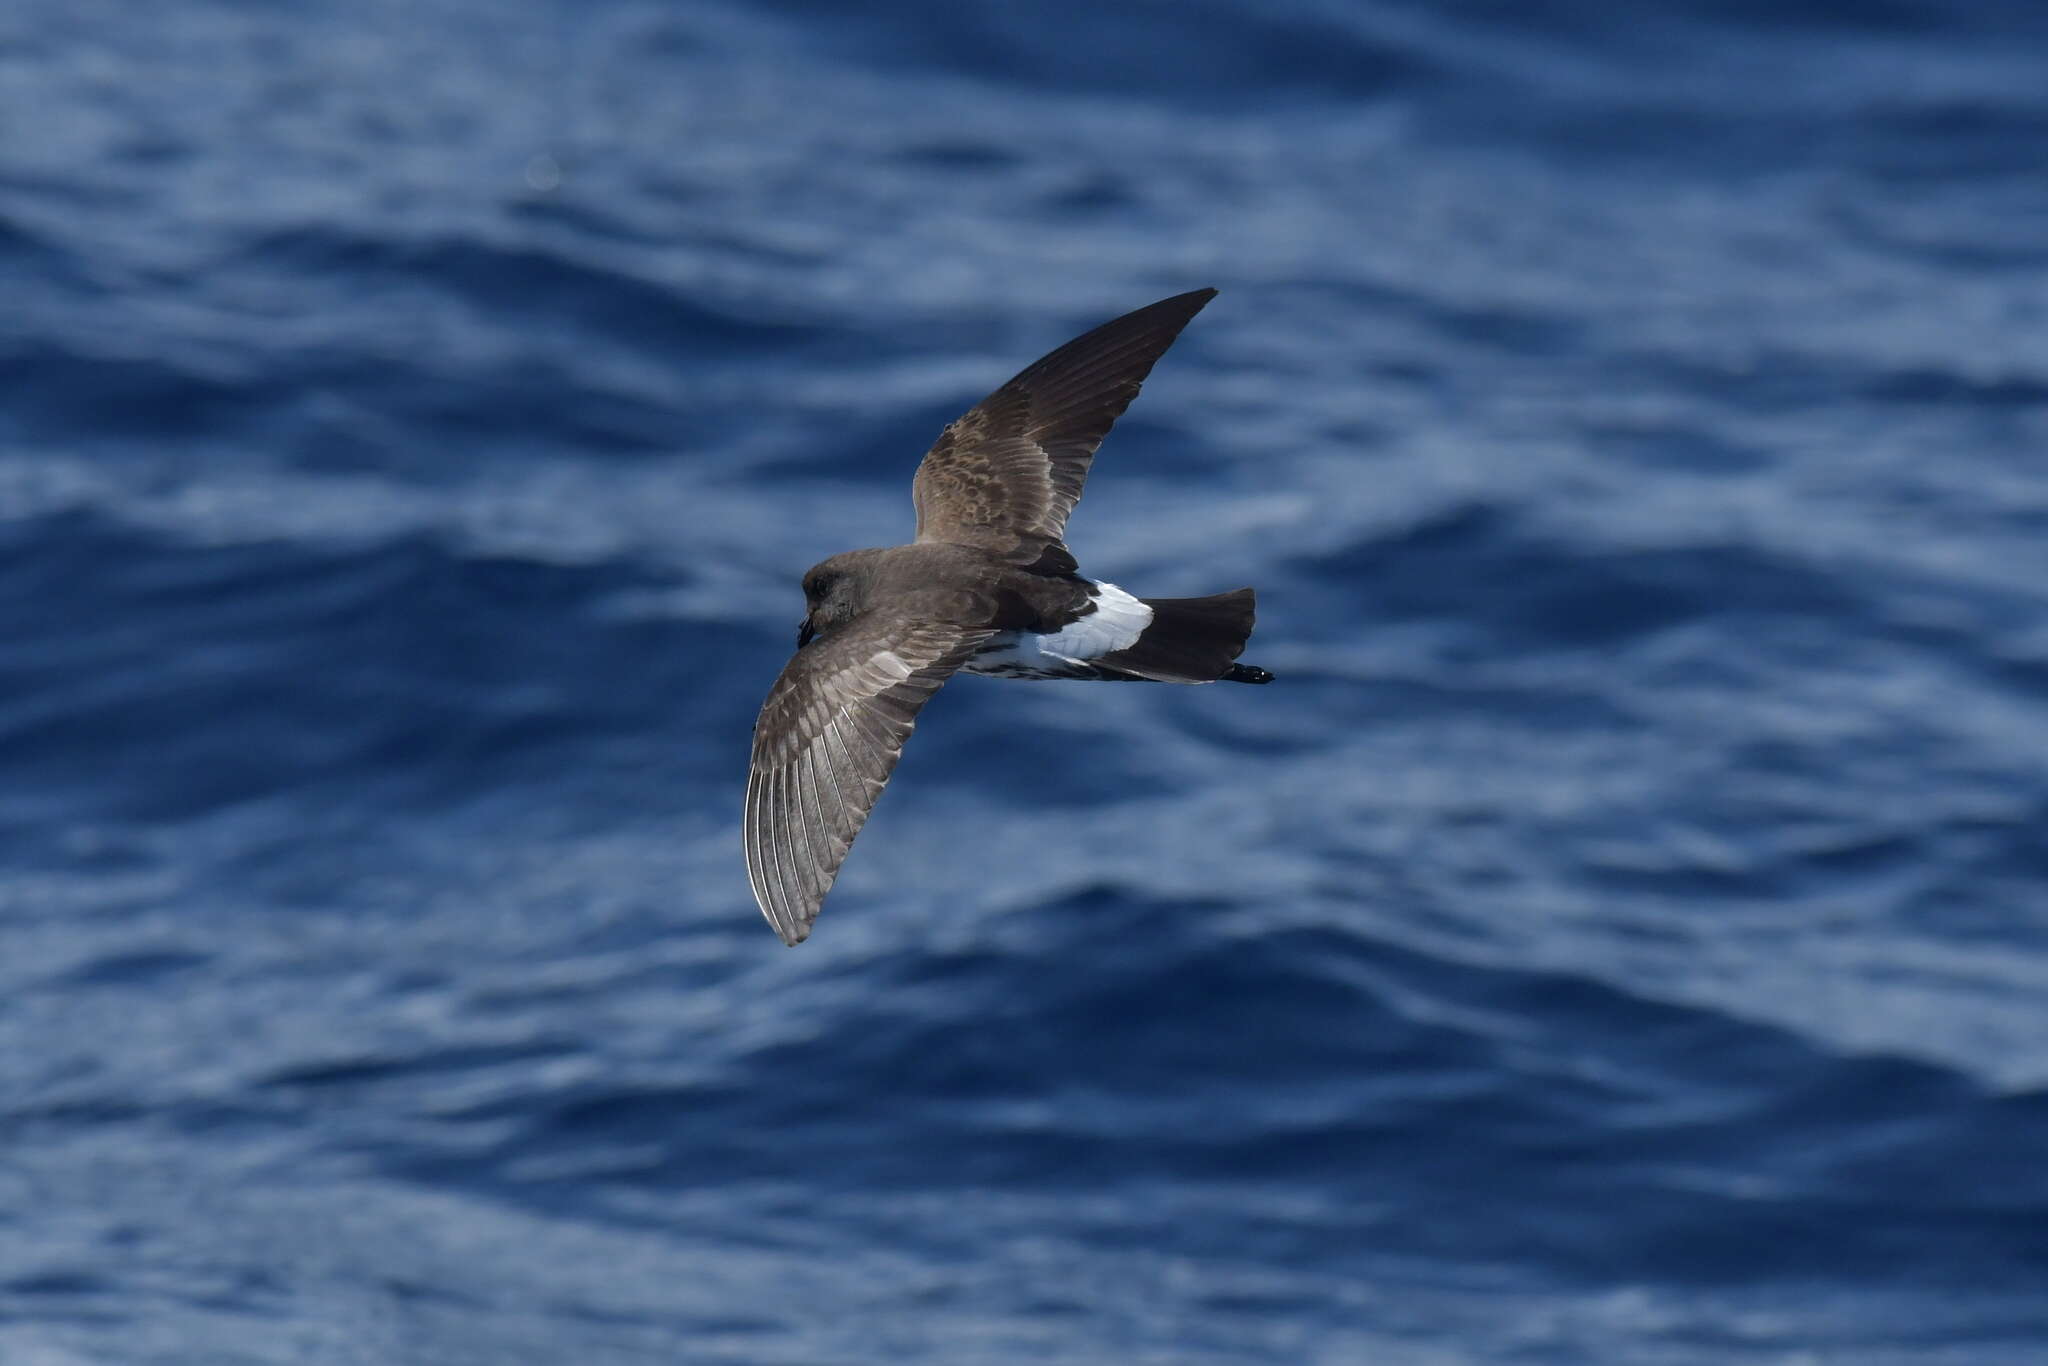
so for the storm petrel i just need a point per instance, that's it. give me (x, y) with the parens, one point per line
(989, 587)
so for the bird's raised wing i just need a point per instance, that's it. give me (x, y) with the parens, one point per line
(824, 746)
(1006, 475)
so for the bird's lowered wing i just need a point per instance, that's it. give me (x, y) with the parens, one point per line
(1006, 475)
(824, 746)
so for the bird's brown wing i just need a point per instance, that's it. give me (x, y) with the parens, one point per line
(1005, 475)
(824, 746)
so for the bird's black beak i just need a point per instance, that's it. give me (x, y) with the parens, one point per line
(804, 632)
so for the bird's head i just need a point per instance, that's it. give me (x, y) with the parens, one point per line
(835, 591)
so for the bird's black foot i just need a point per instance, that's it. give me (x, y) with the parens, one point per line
(1246, 673)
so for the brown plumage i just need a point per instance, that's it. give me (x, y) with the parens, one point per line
(988, 586)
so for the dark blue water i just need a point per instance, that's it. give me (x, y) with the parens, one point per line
(1621, 936)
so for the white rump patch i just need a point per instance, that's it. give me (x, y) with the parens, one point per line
(1115, 624)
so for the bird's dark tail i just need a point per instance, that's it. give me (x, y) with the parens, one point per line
(1193, 640)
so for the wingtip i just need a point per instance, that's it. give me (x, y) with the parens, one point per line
(1188, 305)
(790, 937)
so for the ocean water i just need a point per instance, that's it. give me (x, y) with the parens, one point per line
(1620, 935)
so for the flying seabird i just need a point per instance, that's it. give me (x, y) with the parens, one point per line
(988, 586)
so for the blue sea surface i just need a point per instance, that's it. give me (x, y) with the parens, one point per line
(1620, 935)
